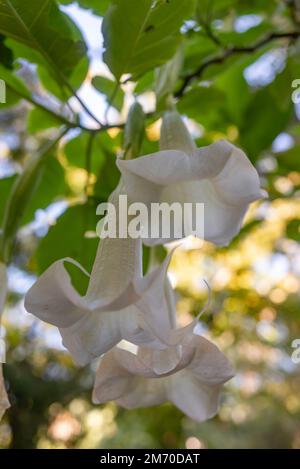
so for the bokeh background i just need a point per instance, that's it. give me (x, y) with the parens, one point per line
(245, 96)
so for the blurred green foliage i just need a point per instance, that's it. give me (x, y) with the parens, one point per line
(239, 59)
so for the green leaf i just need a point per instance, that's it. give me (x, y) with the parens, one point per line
(44, 34)
(267, 114)
(20, 195)
(263, 121)
(236, 88)
(134, 131)
(251, 36)
(70, 237)
(5, 188)
(38, 120)
(293, 230)
(15, 88)
(140, 34)
(145, 83)
(6, 55)
(13, 82)
(289, 160)
(204, 104)
(108, 177)
(50, 186)
(75, 151)
(108, 87)
(78, 75)
(197, 49)
(98, 7)
(166, 78)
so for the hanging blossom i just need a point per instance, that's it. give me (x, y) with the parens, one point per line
(4, 402)
(134, 380)
(193, 386)
(219, 175)
(188, 370)
(120, 303)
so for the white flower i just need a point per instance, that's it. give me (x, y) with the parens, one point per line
(4, 402)
(220, 176)
(193, 386)
(119, 303)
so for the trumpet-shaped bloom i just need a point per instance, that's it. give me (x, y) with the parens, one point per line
(90, 325)
(119, 303)
(4, 402)
(219, 175)
(193, 385)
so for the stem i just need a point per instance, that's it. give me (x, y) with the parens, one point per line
(31, 100)
(230, 52)
(83, 105)
(62, 119)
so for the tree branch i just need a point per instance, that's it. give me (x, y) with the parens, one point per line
(230, 52)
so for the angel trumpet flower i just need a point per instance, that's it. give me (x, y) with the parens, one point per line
(193, 386)
(187, 369)
(4, 402)
(219, 175)
(119, 303)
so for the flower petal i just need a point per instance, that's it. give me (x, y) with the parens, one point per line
(116, 382)
(160, 361)
(220, 176)
(209, 364)
(175, 135)
(112, 380)
(54, 299)
(94, 334)
(87, 328)
(238, 182)
(155, 301)
(196, 389)
(194, 398)
(133, 382)
(143, 393)
(98, 331)
(118, 262)
(157, 169)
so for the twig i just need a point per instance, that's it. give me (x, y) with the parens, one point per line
(206, 23)
(62, 119)
(83, 105)
(230, 52)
